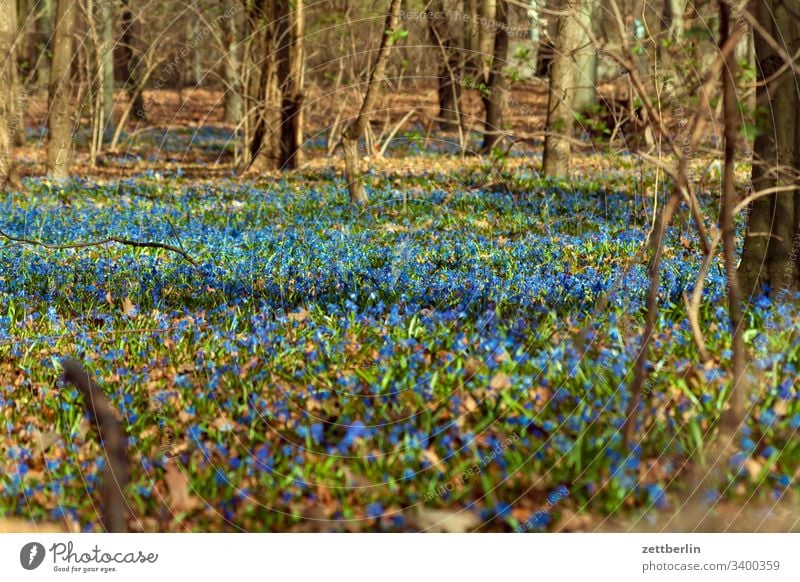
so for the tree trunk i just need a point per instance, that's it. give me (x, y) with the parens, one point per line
(472, 39)
(494, 99)
(355, 131)
(233, 87)
(291, 71)
(7, 35)
(17, 93)
(449, 90)
(770, 250)
(486, 34)
(560, 115)
(59, 120)
(265, 147)
(734, 416)
(130, 61)
(586, 90)
(43, 36)
(197, 63)
(671, 28)
(107, 56)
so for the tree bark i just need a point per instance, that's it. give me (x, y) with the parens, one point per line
(291, 73)
(449, 89)
(355, 131)
(130, 61)
(17, 93)
(7, 33)
(771, 247)
(486, 34)
(59, 120)
(265, 147)
(107, 55)
(586, 57)
(734, 416)
(494, 99)
(43, 36)
(472, 40)
(560, 115)
(233, 86)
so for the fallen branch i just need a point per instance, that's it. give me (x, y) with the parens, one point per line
(116, 475)
(100, 242)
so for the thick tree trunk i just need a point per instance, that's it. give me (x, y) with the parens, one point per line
(233, 87)
(291, 72)
(494, 99)
(355, 131)
(586, 58)
(265, 147)
(560, 113)
(449, 90)
(7, 33)
(59, 120)
(771, 248)
(130, 61)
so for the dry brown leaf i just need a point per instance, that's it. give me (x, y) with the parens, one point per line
(128, 308)
(301, 315)
(500, 381)
(441, 521)
(180, 499)
(471, 367)
(433, 458)
(13, 525)
(574, 522)
(753, 468)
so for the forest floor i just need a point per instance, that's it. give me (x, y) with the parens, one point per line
(436, 361)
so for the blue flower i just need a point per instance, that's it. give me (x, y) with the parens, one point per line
(374, 510)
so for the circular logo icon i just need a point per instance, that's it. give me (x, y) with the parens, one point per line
(31, 555)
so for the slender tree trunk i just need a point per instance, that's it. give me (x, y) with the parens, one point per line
(44, 36)
(59, 120)
(586, 57)
(107, 57)
(355, 131)
(24, 44)
(735, 414)
(494, 100)
(671, 28)
(233, 88)
(197, 63)
(7, 34)
(291, 71)
(472, 38)
(771, 247)
(651, 318)
(17, 92)
(560, 114)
